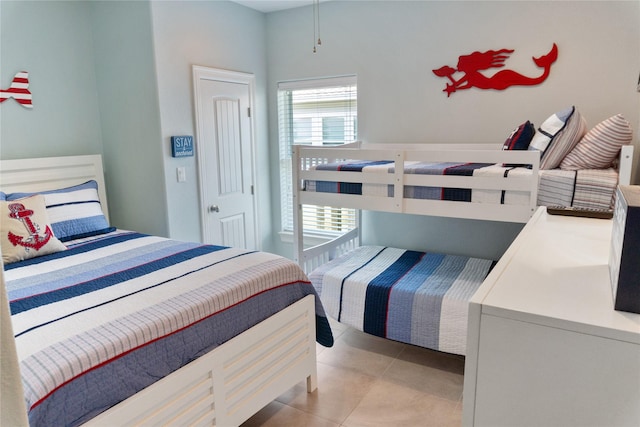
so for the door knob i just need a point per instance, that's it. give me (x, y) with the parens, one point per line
(214, 208)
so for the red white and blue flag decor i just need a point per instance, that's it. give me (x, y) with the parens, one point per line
(19, 90)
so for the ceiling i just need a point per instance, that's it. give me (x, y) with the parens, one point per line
(267, 6)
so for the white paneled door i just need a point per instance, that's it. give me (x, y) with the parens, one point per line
(225, 157)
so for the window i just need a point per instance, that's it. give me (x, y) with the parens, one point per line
(315, 112)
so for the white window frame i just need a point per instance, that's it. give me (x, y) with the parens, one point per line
(286, 135)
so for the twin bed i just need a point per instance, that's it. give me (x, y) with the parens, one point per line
(416, 297)
(114, 327)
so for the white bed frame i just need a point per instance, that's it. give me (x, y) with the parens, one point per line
(224, 387)
(305, 157)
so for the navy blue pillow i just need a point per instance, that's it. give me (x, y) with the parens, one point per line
(519, 139)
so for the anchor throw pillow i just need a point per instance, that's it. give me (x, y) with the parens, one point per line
(25, 231)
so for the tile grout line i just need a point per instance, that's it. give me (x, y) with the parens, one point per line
(377, 379)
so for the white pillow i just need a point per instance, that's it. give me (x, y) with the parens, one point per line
(557, 136)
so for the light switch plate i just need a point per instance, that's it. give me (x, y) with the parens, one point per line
(181, 174)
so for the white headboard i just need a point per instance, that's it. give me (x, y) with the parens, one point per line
(50, 173)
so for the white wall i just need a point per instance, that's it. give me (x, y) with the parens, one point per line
(220, 35)
(109, 77)
(393, 46)
(92, 78)
(54, 43)
(114, 78)
(129, 115)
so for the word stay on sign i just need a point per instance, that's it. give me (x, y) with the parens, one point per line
(181, 146)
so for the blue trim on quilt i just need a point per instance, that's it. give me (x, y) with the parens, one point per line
(461, 194)
(18, 306)
(76, 249)
(503, 193)
(345, 187)
(349, 275)
(87, 271)
(130, 293)
(575, 181)
(402, 297)
(425, 330)
(74, 228)
(378, 290)
(88, 234)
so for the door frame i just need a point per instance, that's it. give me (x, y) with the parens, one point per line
(226, 76)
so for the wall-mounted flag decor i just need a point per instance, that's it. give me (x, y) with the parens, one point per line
(19, 90)
(471, 66)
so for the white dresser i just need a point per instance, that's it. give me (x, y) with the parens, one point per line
(545, 346)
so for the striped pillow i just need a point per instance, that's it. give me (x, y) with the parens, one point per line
(557, 136)
(74, 212)
(600, 146)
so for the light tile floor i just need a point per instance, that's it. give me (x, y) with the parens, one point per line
(368, 381)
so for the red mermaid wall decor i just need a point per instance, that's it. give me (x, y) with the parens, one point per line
(472, 65)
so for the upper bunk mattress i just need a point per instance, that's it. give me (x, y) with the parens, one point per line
(112, 314)
(414, 297)
(589, 188)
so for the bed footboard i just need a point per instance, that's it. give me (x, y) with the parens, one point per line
(232, 382)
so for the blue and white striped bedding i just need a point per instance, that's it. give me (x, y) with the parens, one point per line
(412, 192)
(113, 314)
(414, 297)
(593, 188)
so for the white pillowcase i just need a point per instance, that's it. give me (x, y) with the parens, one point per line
(557, 136)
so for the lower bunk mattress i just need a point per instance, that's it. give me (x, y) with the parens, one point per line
(100, 321)
(413, 297)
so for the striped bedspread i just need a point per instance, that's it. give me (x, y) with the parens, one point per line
(113, 314)
(414, 297)
(385, 166)
(583, 188)
(586, 188)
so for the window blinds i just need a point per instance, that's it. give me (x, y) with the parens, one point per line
(315, 112)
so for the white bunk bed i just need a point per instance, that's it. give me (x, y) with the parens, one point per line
(417, 297)
(223, 387)
(523, 186)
